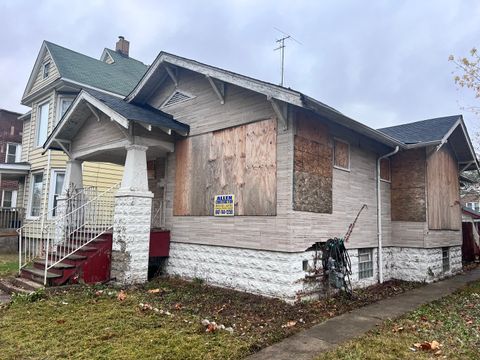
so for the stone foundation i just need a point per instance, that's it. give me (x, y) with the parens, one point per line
(269, 273)
(419, 264)
(282, 275)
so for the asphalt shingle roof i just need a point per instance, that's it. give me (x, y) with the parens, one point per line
(119, 77)
(422, 131)
(136, 113)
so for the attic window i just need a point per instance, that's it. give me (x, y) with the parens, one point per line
(177, 97)
(46, 70)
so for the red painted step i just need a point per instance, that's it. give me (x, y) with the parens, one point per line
(90, 264)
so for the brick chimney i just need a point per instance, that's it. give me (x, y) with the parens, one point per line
(122, 46)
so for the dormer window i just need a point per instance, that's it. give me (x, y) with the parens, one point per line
(46, 70)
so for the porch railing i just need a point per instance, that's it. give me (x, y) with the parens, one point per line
(83, 222)
(32, 232)
(158, 215)
(11, 218)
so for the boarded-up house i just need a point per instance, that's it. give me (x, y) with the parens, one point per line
(299, 171)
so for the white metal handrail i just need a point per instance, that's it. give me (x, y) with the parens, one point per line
(158, 218)
(11, 217)
(31, 235)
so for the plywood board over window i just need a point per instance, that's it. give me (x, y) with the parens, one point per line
(341, 154)
(239, 160)
(313, 166)
(385, 173)
(408, 186)
(443, 193)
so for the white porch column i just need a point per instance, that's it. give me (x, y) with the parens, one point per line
(73, 179)
(131, 223)
(73, 176)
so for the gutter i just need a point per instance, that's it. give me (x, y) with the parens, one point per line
(379, 215)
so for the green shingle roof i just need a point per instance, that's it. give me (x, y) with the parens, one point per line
(120, 77)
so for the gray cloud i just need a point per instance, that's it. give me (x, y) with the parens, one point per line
(380, 62)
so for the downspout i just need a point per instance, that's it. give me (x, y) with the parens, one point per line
(379, 215)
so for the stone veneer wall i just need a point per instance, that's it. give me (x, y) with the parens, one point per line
(281, 274)
(420, 264)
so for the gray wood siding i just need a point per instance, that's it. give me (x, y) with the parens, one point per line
(94, 133)
(351, 189)
(204, 113)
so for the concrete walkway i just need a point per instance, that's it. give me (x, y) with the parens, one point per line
(325, 336)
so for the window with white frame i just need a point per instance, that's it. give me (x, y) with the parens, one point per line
(445, 259)
(56, 185)
(365, 263)
(42, 123)
(46, 69)
(35, 198)
(63, 104)
(13, 153)
(9, 198)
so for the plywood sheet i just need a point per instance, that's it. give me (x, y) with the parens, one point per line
(341, 154)
(408, 186)
(385, 170)
(443, 193)
(313, 166)
(239, 160)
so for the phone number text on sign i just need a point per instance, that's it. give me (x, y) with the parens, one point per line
(224, 205)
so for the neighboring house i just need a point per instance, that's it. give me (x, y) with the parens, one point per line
(11, 128)
(58, 75)
(297, 171)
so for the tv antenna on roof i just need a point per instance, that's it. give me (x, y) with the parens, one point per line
(281, 47)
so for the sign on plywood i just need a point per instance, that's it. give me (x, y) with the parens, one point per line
(224, 205)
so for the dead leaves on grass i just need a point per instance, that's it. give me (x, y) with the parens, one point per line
(122, 295)
(433, 346)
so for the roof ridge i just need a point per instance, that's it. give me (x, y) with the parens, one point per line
(420, 121)
(124, 57)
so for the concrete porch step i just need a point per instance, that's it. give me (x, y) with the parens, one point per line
(73, 257)
(38, 273)
(26, 284)
(60, 265)
(74, 248)
(8, 286)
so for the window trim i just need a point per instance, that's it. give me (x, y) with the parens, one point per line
(58, 111)
(46, 69)
(368, 251)
(13, 199)
(51, 192)
(28, 216)
(349, 157)
(18, 152)
(445, 264)
(37, 118)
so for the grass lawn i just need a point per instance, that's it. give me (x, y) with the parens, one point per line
(8, 264)
(453, 321)
(92, 323)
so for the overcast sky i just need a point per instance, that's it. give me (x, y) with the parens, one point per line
(380, 62)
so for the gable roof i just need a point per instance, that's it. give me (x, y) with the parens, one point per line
(424, 131)
(120, 77)
(118, 110)
(151, 78)
(144, 114)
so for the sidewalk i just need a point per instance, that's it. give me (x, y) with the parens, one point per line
(325, 336)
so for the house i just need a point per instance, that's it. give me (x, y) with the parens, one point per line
(249, 175)
(57, 77)
(11, 129)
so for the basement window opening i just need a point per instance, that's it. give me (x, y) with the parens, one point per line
(365, 263)
(445, 259)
